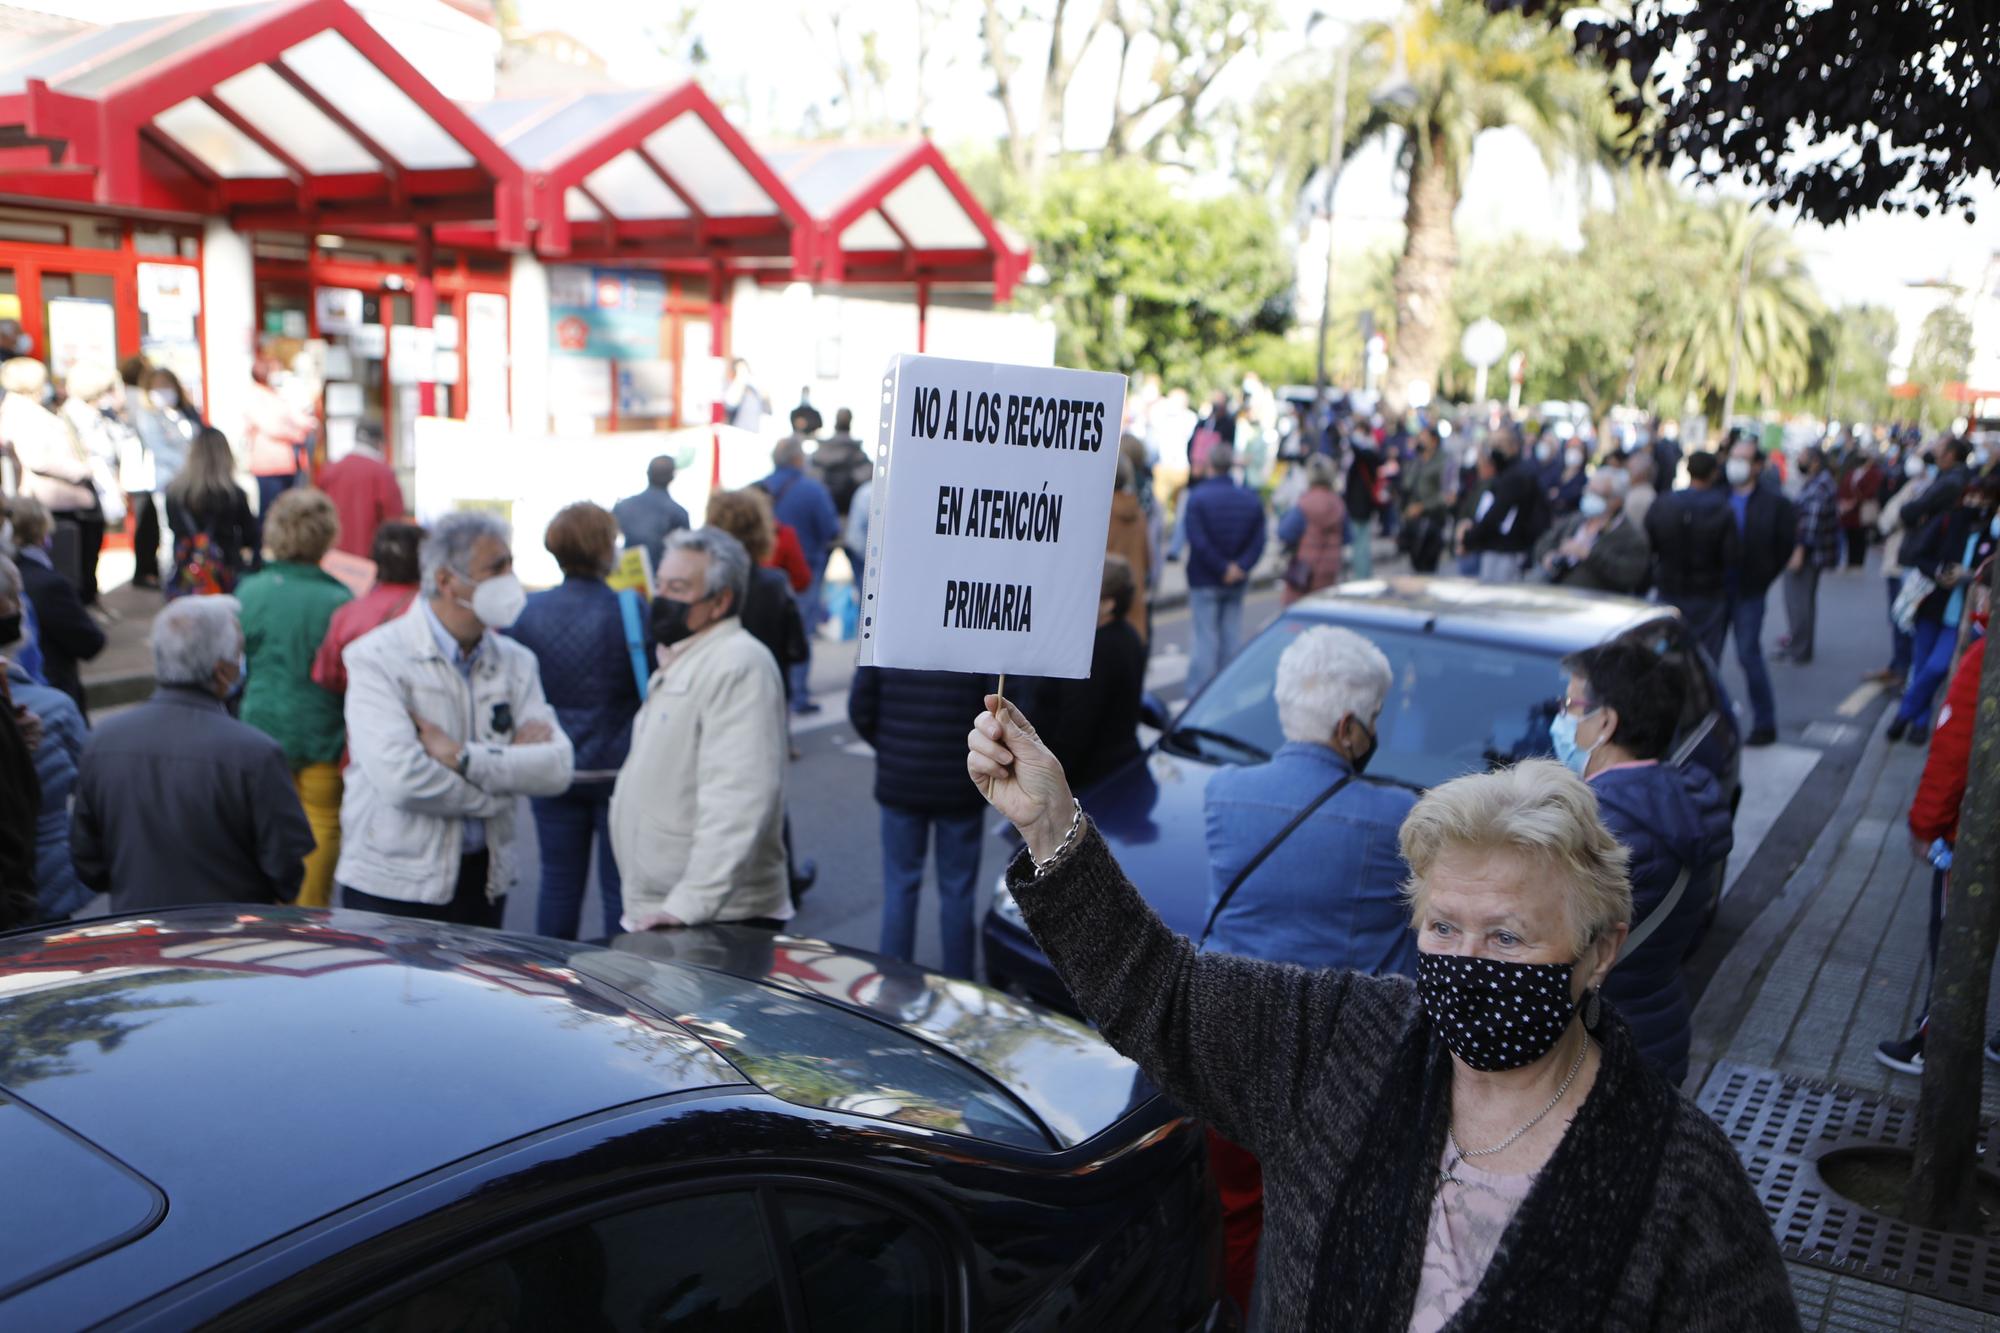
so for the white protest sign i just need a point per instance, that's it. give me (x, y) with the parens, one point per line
(986, 535)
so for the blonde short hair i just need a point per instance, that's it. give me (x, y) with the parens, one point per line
(301, 525)
(25, 375)
(1539, 810)
(90, 380)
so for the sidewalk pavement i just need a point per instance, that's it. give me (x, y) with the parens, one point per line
(1834, 964)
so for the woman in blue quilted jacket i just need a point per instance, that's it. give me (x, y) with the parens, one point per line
(577, 631)
(1617, 726)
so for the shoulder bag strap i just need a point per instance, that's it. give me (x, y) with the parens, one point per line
(1657, 916)
(1265, 852)
(635, 638)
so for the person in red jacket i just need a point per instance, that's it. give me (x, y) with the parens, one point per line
(1934, 820)
(364, 491)
(396, 577)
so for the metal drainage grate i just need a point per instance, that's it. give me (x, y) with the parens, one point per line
(1782, 1126)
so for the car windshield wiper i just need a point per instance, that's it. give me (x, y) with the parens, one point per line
(1223, 737)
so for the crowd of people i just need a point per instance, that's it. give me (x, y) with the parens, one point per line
(304, 744)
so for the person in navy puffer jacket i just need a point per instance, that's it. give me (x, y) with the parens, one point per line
(1224, 525)
(916, 720)
(577, 633)
(1618, 721)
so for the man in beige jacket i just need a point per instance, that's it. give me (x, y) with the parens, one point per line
(697, 816)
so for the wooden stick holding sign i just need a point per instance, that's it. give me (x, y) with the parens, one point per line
(991, 502)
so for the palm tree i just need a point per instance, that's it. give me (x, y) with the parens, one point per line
(1782, 309)
(1448, 72)
(1469, 70)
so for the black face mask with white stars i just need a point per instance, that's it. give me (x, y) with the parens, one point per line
(1495, 1014)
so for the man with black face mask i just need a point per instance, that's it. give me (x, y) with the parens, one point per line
(697, 815)
(1303, 866)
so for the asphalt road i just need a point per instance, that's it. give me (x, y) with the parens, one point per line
(1824, 711)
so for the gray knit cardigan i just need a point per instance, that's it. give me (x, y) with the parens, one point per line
(1643, 1218)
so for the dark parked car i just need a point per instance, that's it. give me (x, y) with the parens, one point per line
(240, 1117)
(1476, 685)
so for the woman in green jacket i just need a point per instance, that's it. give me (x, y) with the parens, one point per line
(286, 608)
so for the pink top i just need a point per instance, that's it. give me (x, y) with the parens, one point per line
(1468, 1216)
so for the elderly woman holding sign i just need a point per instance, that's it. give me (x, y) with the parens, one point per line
(1482, 1148)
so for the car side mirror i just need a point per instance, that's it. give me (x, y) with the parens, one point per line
(1153, 711)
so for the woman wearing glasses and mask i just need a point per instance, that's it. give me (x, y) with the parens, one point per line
(1481, 1148)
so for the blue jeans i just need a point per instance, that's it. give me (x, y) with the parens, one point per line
(1360, 539)
(566, 825)
(1218, 631)
(1707, 619)
(904, 835)
(1902, 642)
(1932, 644)
(1746, 622)
(798, 676)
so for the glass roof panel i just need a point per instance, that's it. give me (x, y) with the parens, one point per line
(928, 214)
(40, 55)
(560, 133)
(824, 177)
(721, 186)
(500, 118)
(378, 108)
(630, 189)
(870, 232)
(305, 132)
(171, 38)
(578, 208)
(223, 148)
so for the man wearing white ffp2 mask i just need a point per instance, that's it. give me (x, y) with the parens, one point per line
(1767, 524)
(446, 725)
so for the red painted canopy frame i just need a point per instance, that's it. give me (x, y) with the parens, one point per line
(103, 149)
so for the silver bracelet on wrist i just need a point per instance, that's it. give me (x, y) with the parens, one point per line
(1075, 824)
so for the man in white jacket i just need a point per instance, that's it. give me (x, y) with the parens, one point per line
(446, 726)
(697, 816)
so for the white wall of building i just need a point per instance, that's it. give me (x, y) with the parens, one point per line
(1985, 370)
(528, 342)
(229, 326)
(834, 345)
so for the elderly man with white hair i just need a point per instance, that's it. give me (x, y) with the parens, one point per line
(1303, 865)
(176, 801)
(1600, 547)
(698, 813)
(446, 726)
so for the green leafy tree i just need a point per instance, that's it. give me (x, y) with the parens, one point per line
(1142, 278)
(1853, 379)
(1940, 360)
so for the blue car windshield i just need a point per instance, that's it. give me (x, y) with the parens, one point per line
(1453, 708)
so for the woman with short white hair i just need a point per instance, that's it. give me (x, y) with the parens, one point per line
(1483, 1148)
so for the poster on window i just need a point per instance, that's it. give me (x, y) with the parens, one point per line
(606, 313)
(645, 388)
(169, 289)
(338, 308)
(81, 330)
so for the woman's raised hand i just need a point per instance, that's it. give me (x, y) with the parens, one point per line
(1018, 776)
